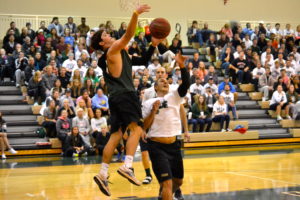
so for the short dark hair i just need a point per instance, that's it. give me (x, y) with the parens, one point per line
(83, 18)
(96, 39)
(54, 18)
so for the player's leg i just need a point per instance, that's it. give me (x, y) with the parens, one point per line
(176, 188)
(101, 178)
(177, 169)
(167, 190)
(146, 162)
(133, 140)
(161, 166)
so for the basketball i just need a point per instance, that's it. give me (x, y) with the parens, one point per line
(160, 28)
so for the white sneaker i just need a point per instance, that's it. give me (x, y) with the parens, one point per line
(288, 117)
(17, 85)
(12, 151)
(3, 156)
(223, 130)
(279, 118)
(229, 130)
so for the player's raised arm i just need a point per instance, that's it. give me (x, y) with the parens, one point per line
(183, 88)
(124, 40)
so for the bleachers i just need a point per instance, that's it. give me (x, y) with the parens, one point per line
(227, 136)
(21, 121)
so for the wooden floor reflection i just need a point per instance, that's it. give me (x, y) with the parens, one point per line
(202, 175)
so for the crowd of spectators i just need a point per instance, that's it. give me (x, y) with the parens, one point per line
(61, 72)
(265, 56)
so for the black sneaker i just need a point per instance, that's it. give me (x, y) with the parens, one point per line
(102, 183)
(178, 195)
(147, 180)
(129, 175)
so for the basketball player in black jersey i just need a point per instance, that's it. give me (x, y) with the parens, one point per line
(124, 103)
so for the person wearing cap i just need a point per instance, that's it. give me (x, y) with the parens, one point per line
(55, 24)
(211, 73)
(68, 97)
(210, 99)
(41, 40)
(212, 86)
(196, 88)
(83, 29)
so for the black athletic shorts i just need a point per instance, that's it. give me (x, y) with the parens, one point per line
(124, 109)
(166, 160)
(274, 106)
(143, 145)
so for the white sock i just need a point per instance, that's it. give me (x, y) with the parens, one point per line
(128, 161)
(104, 169)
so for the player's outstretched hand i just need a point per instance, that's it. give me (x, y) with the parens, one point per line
(155, 42)
(180, 59)
(143, 8)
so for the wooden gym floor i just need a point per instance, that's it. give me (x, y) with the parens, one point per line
(252, 173)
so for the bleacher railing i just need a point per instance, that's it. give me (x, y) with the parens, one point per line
(217, 25)
(21, 20)
(95, 21)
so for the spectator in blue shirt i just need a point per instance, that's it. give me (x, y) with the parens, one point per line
(100, 101)
(226, 82)
(69, 39)
(248, 30)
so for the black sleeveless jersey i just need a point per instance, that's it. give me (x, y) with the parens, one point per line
(124, 83)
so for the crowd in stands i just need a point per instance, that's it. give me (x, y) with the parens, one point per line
(61, 73)
(265, 56)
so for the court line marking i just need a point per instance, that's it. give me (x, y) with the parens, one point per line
(265, 179)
